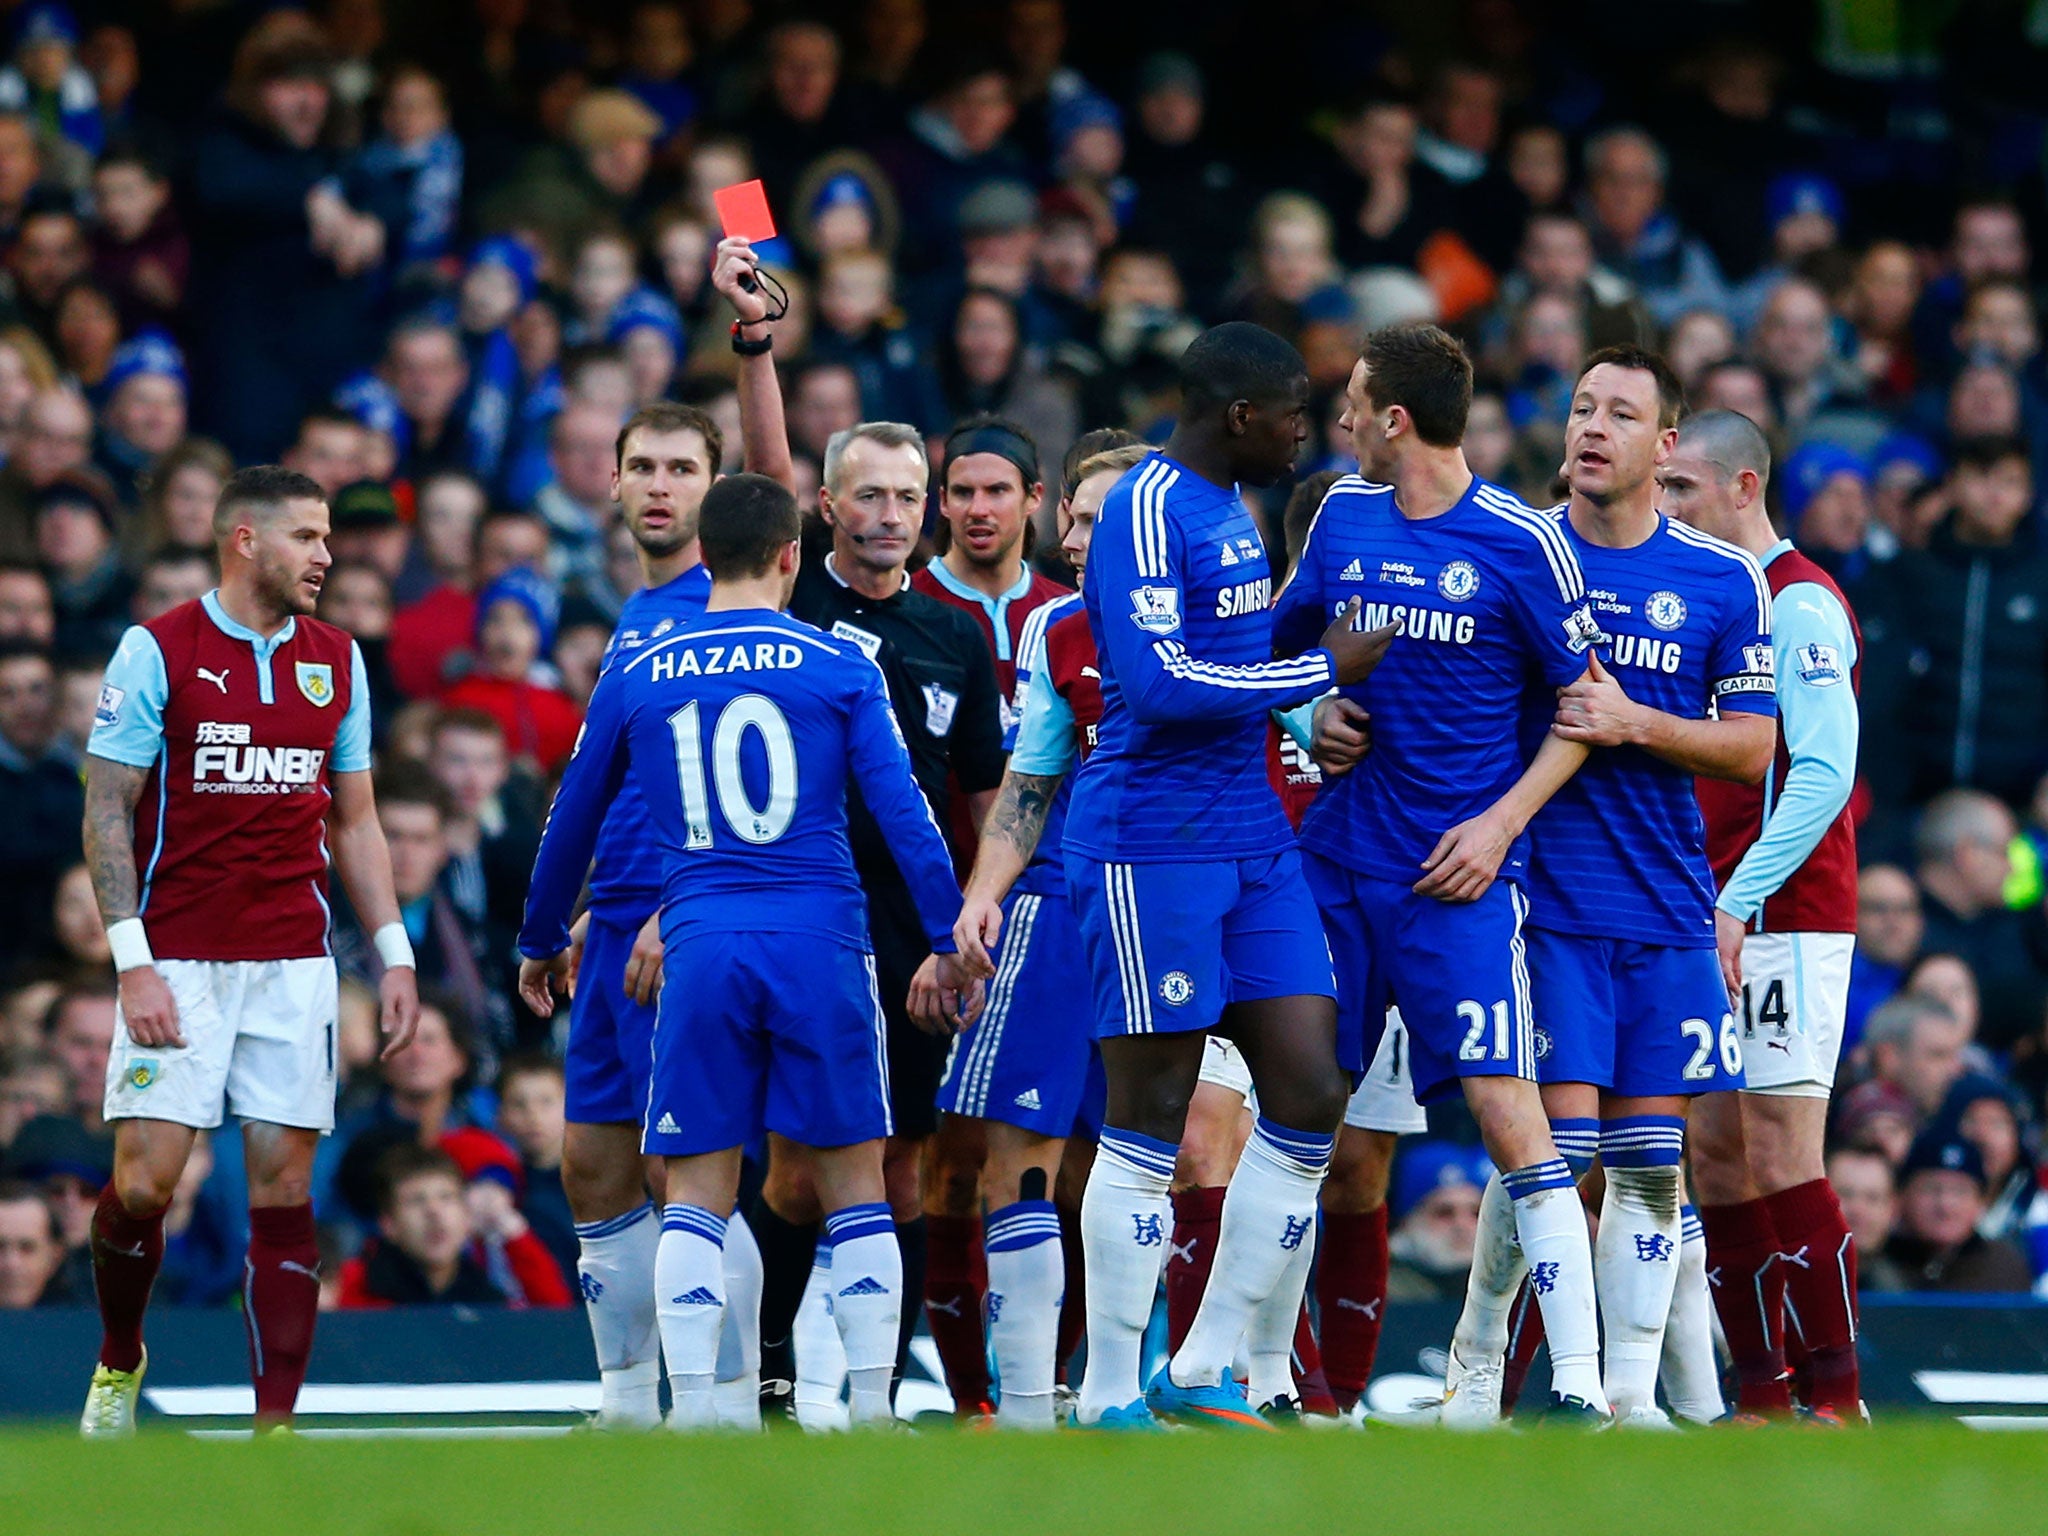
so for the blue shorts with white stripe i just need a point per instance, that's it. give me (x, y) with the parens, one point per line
(1170, 946)
(1025, 1060)
(1458, 971)
(1640, 1020)
(747, 1039)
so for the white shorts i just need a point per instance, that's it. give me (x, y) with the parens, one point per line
(1385, 1097)
(1795, 995)
(1223, 1067)
(259, 1039)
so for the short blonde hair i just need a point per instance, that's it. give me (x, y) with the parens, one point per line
(1121, 460)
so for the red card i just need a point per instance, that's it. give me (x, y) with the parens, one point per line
(743, 211)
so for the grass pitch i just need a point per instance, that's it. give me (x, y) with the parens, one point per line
(1927, 1479)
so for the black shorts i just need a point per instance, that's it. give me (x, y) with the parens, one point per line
(917, 1061)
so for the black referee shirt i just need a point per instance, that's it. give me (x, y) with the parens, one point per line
(942, 684)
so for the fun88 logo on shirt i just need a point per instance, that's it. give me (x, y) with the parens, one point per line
(226, 763)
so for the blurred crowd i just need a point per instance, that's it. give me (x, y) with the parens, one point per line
(432, 254)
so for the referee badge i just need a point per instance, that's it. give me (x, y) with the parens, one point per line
(316, 681)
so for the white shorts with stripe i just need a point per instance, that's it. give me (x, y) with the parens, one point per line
(259, 1039)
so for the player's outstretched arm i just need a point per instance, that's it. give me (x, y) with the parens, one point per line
(363, 861)
(111, 792)
(1009, 838)
(763, 434)
(1466, 858)
(590, 780)
(1595, 712)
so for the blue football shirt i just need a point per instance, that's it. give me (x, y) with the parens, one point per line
(1179, 598)
(1620, 851)
(1487, 600)
(743, 730)
(625, 880)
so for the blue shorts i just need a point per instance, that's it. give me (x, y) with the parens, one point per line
(766, 1031)
(1639, 1020)
(1170, 946)
(1025, 1060)
(1456, 970)
(611, 1037)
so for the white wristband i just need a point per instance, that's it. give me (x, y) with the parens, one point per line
(129, 944)
(393, 947)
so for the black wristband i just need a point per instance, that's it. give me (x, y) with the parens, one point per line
(746, 348)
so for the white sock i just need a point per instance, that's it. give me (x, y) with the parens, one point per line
(1692, 1371)
(1498, 1265)
(1269, 1216)
(689, 1295)
(1552, 1227)
(1635, 1262)
(615, 1270)
(867, 1303)
(1026, 1278)
(820, 1354)
(1269, 1339)
(1636, 1258)
(737, 1392)
(1125, 1218)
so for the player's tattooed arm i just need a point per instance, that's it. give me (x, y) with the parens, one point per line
(1009, 836)
(111, 792)
(1018, 816)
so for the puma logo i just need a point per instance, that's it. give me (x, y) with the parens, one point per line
(1798, 1258)
(1091, 672)
(1185, 1252)
(945, 1308)
(296, 1268)
(1371, 1309)
(218, 679)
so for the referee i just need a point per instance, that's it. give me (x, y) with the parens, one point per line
(942, 683)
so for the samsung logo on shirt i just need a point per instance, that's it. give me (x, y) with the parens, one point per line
(1418, 623)
(722, 660)
(1245, 597)
(1665, 656)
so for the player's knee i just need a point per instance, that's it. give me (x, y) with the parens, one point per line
(143, 1190)
(790, 1191)
(1312, 1100)
(1359, 1171)
(953, 1189)
(1158, 1110)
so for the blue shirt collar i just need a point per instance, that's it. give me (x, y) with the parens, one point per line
(943, 575)
(235, 631)
(1783, 546)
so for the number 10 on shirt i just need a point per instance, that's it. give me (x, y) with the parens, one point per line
(752, 823)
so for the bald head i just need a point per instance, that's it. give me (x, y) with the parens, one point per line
(1728, 441)
(1714, 480)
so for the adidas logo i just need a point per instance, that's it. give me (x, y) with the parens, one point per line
(1229, 556)
(667, 1126)
(866, 1285)
(700, 1297)
(1352, 572)
(1028, 1099)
